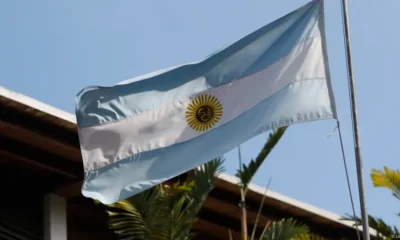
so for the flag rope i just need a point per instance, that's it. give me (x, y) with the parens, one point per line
(348, 179)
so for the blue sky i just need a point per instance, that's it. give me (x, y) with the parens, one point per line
(49, 50)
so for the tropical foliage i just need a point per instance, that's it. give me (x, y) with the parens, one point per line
(247, 172)
(168, 212)
(284, 229)
(383, 230)
(164, 212)
(390, 179)
(280, 230)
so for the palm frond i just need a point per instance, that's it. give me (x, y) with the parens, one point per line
(383, 229)
(204, 181)
(146, 215)
(180, 222)
(132, 218)
(388, 178)
(164, 212)
(247, 172)
(396, 231)
(230, 234)
(284, 229)
(253, 234)
(309, 236)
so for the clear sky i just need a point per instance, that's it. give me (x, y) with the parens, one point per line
(49, 50)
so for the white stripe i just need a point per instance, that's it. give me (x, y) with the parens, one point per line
(105, 144)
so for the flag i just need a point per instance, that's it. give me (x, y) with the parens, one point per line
(151, 128)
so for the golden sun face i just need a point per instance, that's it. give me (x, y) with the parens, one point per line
(203, 112)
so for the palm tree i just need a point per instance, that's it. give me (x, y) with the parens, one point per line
(287, 229)
(165, 212)
(246, 173)
(279, 230)
(168, 212)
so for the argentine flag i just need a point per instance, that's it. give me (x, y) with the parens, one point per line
(151, 128)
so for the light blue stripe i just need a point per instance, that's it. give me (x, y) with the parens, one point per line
(258, 50)
(299, 102)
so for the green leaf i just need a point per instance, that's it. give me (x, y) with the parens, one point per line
(247, 172)
(259, 212)
(164, 212)
(383, 229)
(284, 229)
(202, 182)
(309, 236)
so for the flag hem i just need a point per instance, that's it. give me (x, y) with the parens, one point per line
(326, 60)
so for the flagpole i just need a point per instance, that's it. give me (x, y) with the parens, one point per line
(360, 176)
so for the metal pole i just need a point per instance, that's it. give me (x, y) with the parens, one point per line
(360, 175)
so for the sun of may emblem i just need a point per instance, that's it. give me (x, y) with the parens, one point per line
(203, 112)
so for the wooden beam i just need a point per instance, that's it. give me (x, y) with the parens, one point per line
(233, 211)
(70, 190)
(15, 159)
(29, 136)
(74, 189)
(37, 155)
(216, 205)
(82, 210)
(272, 211)
(234, 188)
(87, 211)
(215, 230)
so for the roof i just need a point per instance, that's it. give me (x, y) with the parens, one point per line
(226, 193)
(42, 110)
(292, 205)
